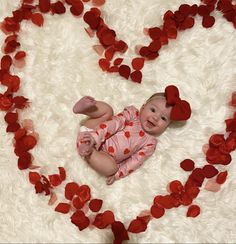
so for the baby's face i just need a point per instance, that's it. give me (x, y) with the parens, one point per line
(155, 116)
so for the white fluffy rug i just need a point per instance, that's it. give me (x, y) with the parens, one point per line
(61, 67)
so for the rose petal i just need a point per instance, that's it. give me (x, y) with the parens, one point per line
(193, 211)
(95, 205)
(137, 226)
(44, 6)
(34, 177)
(124, 71)
(221, 177)
(62, 173)
(99, 49)
(63, 208)
(187, 165)
(53, 199)
(71, 189)
(138, 63)
(37, 19)
(157, 212)
(55, 179)
(212, 185)
(136, 76)
(209, 171)
(208, 21)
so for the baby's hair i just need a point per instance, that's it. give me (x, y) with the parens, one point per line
(158, 94)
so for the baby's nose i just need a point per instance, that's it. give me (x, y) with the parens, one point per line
(157, 116)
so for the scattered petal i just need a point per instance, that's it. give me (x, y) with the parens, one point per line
(63, 208)
(193, 211)
(221, 177)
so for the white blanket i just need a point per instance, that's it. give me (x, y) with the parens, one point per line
(61, 67)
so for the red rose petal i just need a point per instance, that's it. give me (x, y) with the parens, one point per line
(185, 9)
(58, 8)
(121, 46)
(80, 220)
(108, 217)
(209, 171)
(136, 76)
(34, 177)
(164, 201)
(62, 173)
(77, 203)
(55, 179)
(63, 208)
(155, 46)
(20, 55)
(137, 63)
(124, 71)
(176, 186)
(38, 187)
(11, 117)
(192, 192)
(104, 64)
(157, 212)
(24, 161)
(118, 61)
(44, 6)
(109, 53)
(13, 127)
(212, 186)
(77, 8)
(21, 132)
(187, 165)
(37, 19)
(95, 205)
(71, 189)
(29, 142)
(197, 176)
(187, 23)
(216, 140)
(84, 193)
(90, 18)
(193, 211)
(108, 37)
(155, 33)
(137, 226)
(20, 102)
(6, 62)
(208, 21)
(203, 10)
(221, 177)
(119, 231)
(144, 51)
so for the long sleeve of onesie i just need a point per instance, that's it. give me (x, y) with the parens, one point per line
(135, 161)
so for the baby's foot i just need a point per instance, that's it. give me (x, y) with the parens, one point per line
(83, 104)
(86, 144)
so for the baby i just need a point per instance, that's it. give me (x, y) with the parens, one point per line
(117, 145)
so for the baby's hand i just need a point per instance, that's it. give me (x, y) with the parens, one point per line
(110, 180)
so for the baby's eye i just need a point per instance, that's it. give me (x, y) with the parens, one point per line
(153, 110)
(163, 118)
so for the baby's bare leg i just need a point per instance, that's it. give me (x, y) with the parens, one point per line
(103, 163)
(97, 111)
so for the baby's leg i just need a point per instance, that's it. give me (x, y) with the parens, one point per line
(101, 162)
(97, 111)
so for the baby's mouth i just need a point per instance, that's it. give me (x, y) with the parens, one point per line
(150, 124)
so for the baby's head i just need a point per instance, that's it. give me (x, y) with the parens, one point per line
(162, 108)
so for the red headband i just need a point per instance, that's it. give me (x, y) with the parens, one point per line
(181, 109)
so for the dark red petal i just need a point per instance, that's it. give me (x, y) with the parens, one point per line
(38, 187)
(13, 127)
(194, 9)
(11, 117)
(24, 161)
(209, 171)
(119, 231)
(71, 189)
(29, 142)
(108, 217)
(187, 23)
(90, 18)
(164, 201)
(118, 61)
(108, 37)
(19, 55)
(6, 62)
(104, 64)
(63, 208)
(34, 177)
(109, 53)
(216, 140)
(155, 33)
(44, 6)
(221, 177)
(157, 212)
(21, 132)
(136, 76)
(155, 46)
(137, 226)
(58, 7)
(20, 102)
(77, 8)
(55, 179)
(176, 186)
(84, 193)
(193, 211)
(192, 192)
(77, 203)
(187, 165)
(137, 63)
(185, 9)
(124, 71)
(203, 10)
(37, 19)
(62, 173)
(95, 205)
(197, 176)
(208, 21)
(80, 220)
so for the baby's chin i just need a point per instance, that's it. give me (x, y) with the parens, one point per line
(151, 131)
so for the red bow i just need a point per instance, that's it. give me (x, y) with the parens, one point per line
(181, 109)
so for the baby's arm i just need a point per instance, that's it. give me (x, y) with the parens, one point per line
(135, 161)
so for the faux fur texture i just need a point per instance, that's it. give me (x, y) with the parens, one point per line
(61, 67)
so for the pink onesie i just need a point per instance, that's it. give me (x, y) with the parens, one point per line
(123, 138)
